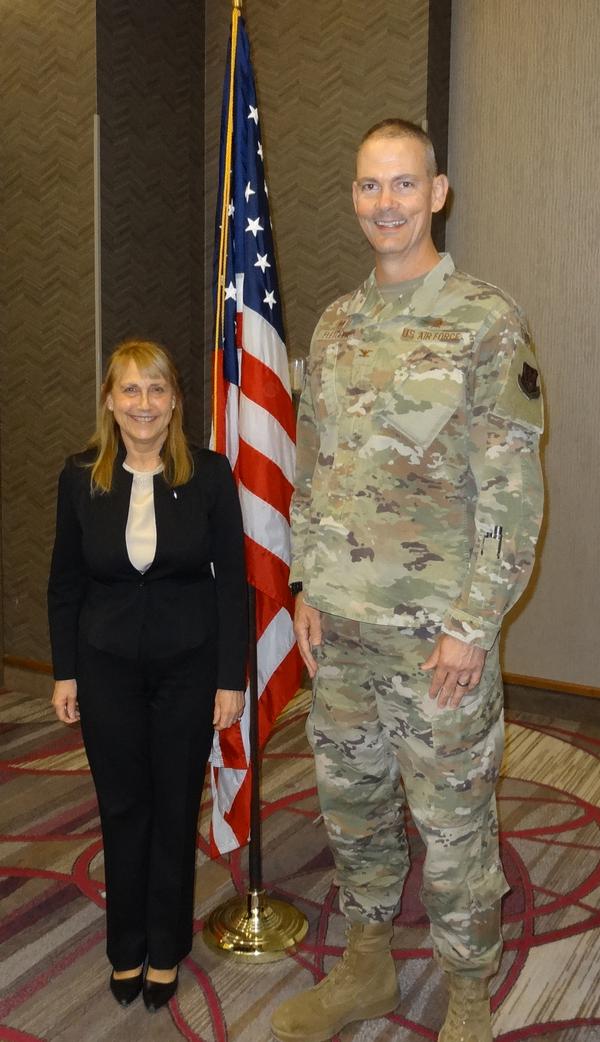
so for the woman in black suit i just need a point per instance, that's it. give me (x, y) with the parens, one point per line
(147, 610)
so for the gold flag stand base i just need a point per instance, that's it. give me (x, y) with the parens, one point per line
(256, 927)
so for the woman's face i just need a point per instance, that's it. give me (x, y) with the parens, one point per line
(142, 405)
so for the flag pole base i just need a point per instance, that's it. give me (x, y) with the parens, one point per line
(256, 927)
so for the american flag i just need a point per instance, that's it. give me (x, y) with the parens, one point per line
(254, 423)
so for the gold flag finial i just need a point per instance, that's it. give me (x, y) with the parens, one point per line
(237, 5)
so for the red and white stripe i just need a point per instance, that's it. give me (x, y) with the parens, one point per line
(260, 442)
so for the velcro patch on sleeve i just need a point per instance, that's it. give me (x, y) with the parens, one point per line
(520, 400)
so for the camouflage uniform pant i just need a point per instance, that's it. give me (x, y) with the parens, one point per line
(372, 727)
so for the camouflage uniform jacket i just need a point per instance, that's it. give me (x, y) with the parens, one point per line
(418, 492)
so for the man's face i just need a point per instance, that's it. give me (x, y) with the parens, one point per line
(394, 195)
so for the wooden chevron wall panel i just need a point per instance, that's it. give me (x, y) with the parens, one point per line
(150, 102)
(47, 56)
(325, 72)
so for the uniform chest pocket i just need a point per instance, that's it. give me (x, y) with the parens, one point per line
(426, 391)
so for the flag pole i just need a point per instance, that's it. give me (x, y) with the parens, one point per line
(257, 926)
(255, 880)
(218, 416)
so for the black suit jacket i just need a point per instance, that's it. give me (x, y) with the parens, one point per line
(178, 604)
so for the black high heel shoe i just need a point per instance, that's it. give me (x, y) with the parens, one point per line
(157, 995)
(126, 989)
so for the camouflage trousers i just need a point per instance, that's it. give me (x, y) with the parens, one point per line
(379, 742)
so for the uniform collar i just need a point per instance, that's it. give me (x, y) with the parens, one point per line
(421, 301)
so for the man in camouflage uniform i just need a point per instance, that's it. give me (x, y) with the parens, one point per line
(417, 507)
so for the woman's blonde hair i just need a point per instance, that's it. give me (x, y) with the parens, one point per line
(177, 458)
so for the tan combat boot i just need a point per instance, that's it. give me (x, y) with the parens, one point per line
(361, 985)
(468, 1018)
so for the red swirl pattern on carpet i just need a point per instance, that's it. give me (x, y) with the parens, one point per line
(53, 982)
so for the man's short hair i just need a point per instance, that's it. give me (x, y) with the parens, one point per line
(404, 128)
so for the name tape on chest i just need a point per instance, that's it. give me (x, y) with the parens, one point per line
(341, 329)
(442, 336)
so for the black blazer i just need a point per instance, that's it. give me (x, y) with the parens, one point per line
(95, 592)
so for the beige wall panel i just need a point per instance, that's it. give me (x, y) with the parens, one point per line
(325, 72)
(524, 160)
(47, 394)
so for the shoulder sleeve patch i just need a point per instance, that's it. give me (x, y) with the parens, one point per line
(520, 399)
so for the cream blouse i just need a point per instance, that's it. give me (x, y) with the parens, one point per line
(140, 532)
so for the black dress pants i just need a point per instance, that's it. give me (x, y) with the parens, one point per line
(147, 730)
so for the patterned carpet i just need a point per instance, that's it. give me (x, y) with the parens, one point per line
(53, 976)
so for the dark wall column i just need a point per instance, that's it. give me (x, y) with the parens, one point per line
(150, 59)
(438, 96)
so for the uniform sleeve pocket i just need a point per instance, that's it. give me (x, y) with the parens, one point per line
(520, 400)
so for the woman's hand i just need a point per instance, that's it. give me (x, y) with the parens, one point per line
(64, 700)
(229, 706)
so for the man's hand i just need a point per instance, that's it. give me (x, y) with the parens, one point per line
(307, 628)
(229, 706)
(457, 669)
(64, 700)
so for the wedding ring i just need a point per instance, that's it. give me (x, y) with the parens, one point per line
(462, 685)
